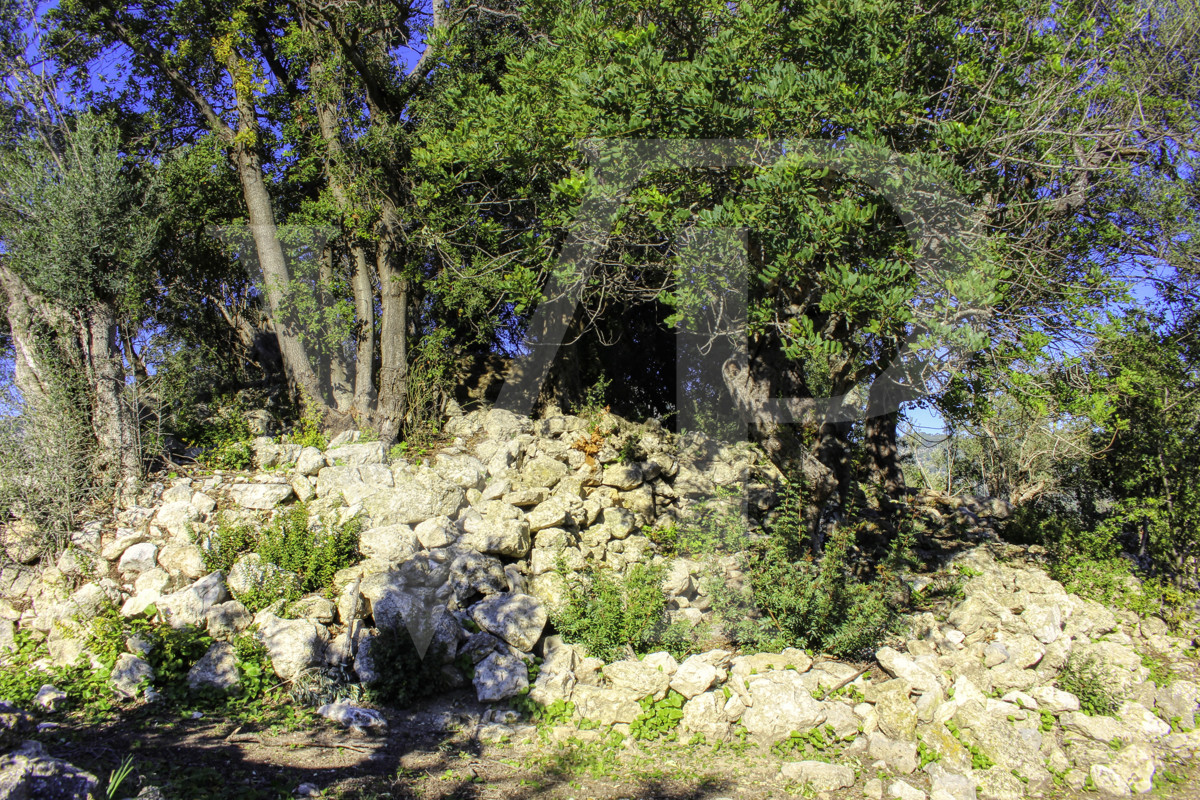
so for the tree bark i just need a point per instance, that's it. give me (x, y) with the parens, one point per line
(339, 368)
(883, 413)
(393, 333)
(760, 388)
(112, 420)
(276, 279)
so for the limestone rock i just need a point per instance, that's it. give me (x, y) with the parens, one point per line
(705, 714)
(392, 543)
(516, 618)
(293, 645)
(821, 776)
(637, 677)
(607, 706)
(216, 669)
(128, 675)
(695, 675)
(780, 704)
(139, 558)
(500, 676)
(29, 772)
(260, 496)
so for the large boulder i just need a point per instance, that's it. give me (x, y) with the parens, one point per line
(516, 618)
(190, 605)
(260, 496)
(500, 676)
(500, 530)
(293, 645)
(780, 705)
(415, 498)
(129, 674)
(821, 776)
(217, 669)
(392, 543)
(29, 773)
(704, 714)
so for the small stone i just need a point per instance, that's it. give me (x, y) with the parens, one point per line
(50, 698)
(905, 791)
(823, 777)
(360, 720)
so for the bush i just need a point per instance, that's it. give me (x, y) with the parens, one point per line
(224, 438)
(48, 468)
(314, 555)
(607, 612)
(817, 604)
(1085, 678)
(809, 602)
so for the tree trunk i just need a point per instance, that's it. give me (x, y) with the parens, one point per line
(363, 395)
(393, 333)
(112, 420)
(880, 434)
(339, 368)
(769, 400)
(364, 307)
(23, 322)
(276, 279)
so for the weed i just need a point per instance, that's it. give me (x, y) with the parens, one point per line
(927, 754)
(403, 675)
(979, 759)
(1160, 671)
(659, 718)
(313, 555)
(118, 776)
(1084, 678)
(606, 612)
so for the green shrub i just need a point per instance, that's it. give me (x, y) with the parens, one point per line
(1086, 679)
(607, 612)
(307, 430)
(224, 438)
(817, 604)
(313, 555)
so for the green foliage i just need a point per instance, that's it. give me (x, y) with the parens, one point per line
(979, 759)
(309, 554)
(818, 604)
(224, 437)
(117, 777)
(607, 612)
(308, 430)
(1085, 678)
(595, 401)
(927, 755)
(314, 554)
(403, 675)
(817, 744)
(659, 718)
(226, 543)
(1160, 670)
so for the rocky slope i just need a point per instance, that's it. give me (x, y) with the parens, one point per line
(468, 550)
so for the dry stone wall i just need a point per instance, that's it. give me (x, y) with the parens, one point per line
(466, 549)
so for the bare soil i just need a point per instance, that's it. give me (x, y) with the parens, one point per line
(432, 752)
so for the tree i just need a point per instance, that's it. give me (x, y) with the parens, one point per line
(79, 230)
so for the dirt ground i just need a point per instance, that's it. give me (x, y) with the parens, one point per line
(433, 752)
